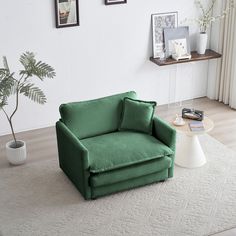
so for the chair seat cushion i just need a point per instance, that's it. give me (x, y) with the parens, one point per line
(121, 149)
(130, 172)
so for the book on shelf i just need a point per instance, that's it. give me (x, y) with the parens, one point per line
(196, 126)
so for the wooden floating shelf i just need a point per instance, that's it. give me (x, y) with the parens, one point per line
(210, 54)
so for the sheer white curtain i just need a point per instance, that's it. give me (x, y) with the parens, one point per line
(226, 76)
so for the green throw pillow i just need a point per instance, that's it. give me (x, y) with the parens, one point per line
(137, 115)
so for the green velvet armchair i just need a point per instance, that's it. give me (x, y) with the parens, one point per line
(101, 160)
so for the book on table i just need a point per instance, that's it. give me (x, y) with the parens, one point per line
(196, 126)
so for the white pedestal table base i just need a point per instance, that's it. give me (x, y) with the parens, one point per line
(189, 152)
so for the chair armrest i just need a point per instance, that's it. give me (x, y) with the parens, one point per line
(73, 158)
(70, 147)
(164, 132)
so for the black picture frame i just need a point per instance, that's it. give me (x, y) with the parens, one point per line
(112, 2)
(67, 13)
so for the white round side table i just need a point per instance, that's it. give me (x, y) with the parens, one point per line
(189, 153)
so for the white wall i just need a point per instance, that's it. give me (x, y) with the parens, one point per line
(108, 53)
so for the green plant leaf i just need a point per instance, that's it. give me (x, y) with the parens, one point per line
(4, 72)
(5, 63)
(7, 85)
(43, 70)
(3, 103)
(27, 59)
(38, 69)
(33, 93)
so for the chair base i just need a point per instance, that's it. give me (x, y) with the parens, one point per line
(129, 184)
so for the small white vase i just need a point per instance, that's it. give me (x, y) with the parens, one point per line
(16, 156)
(202, 43)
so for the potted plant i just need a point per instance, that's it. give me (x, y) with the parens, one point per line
(205, 20)
(21, 85)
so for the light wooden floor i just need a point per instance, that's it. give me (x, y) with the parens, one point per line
(41, 143)
(223, 117)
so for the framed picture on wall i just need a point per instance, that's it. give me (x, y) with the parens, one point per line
(110, 2)
(159, 23)
(67, 13)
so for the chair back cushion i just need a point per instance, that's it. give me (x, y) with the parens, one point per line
(91, 118)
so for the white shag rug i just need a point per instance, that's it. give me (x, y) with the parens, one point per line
(38, 199)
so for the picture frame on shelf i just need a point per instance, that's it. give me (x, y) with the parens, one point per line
(67, 13)
(177, 38)
(112, 2)
(160, 21)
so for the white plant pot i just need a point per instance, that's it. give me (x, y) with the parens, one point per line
(16, 156)
(202, 43)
